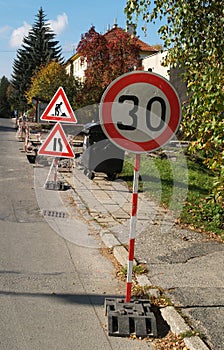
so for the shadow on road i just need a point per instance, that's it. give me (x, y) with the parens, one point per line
(81, 299)
(7, 128)
(90, 299)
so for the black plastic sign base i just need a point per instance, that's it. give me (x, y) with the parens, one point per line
(54, 185)
(130, 318)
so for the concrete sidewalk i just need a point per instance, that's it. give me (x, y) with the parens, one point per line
(187, 265)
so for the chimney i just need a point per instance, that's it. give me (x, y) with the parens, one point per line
(115, 23)
(130, 29)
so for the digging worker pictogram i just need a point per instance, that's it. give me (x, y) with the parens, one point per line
(58, 108)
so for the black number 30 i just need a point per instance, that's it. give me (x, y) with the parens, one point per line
(133, 115)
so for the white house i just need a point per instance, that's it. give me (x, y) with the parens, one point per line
(153, 63)
(75, 66)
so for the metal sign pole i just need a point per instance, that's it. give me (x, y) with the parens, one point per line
(163, 103)
(49, 173)
(133, 222)
(56, 169)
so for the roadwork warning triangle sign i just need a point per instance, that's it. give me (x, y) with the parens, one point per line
(59, 109)
(56, 144)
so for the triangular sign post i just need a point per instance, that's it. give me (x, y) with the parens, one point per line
(59, 109)
(56, 144)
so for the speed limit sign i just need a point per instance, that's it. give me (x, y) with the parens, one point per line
(140, 111)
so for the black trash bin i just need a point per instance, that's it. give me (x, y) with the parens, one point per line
(100, 155)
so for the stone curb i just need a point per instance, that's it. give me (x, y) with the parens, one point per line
(179, 326)
(174, 320)
(109, 239)
(195, 343)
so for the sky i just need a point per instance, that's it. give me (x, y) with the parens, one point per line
(68, 19)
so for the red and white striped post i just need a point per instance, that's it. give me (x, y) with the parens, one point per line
(132, 227)
(56, 169)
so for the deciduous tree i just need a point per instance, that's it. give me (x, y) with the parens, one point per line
(106, 58)
(47, 80)
(193, 33)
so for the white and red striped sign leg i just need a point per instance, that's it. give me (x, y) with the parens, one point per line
(132, 227)
(56, 169)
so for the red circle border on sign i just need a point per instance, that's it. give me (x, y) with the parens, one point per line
(109, 97)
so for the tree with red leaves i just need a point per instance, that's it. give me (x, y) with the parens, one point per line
(107, 56)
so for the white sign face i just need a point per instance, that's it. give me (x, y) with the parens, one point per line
(59, 109)
(56, 144)
(140, 111)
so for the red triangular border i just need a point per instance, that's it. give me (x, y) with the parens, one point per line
(42, 150)
(70, 119)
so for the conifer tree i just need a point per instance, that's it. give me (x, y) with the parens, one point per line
(38, 49)
(4, 104)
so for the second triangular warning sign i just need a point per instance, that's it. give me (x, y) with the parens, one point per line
(59, 109)
(56, 144)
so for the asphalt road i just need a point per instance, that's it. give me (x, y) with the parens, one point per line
(52, 290)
